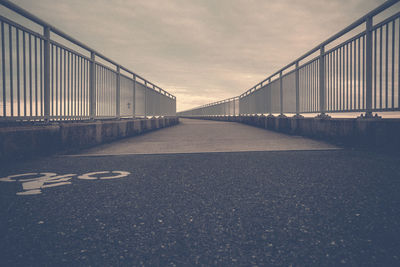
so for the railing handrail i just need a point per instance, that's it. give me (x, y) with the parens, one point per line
(71, 39)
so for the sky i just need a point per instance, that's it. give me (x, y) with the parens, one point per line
(201, 51)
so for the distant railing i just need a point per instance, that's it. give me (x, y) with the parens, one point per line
(44, 79)
(360, 74)
(227, 107)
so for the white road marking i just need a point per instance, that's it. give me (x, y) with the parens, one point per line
(91, 175)
(121, 175)
(32, 185)
(10, 178)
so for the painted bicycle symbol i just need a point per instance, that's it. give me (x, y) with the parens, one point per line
(33, 183)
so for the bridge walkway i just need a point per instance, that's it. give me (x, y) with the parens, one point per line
(306, 203)
(203, 136)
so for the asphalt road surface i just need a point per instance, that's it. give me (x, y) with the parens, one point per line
(320, 206)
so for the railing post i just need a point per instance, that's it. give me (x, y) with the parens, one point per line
(118, 94)
(264, 102)
(269, 100)
(225, 108)
(154, 103)
(134, 97)
(145, 99)
(297, 81)
(174, 106)
(239, 109)
(92, 86)
(240, 102)
(281, 91)
(322, 107)
(46, 73)
(368, 68)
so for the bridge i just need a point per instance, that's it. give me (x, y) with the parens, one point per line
(98, 168)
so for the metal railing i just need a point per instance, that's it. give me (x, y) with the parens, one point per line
(227, 107)
(360, 74)
(45, 79)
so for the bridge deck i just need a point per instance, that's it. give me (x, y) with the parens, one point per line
(198, 136)
(265, 208)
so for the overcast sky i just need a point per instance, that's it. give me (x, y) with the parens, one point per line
(201, 50)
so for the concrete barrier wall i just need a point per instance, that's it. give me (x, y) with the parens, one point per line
(376, 134)
(18, 142)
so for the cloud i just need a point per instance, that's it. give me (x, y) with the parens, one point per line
(201, 51)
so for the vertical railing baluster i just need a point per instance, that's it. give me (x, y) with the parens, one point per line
(118, 93)
(56, 89)
(343, 95)
(78, 89)
(359, 77)
(380, 67)
(234, 107)
(11, 72)
(153, 101)
(297, 84)
(30, 76)
(368, 67)
(84, 88)
(18, 75)
(41, 79)
(87, 88)
(145, 99)
(314, 74)
(269, 97)
(332, 74)
(301, 85)
(64, 83)
(36, 78)
(346, 80)
(339, 86)
(3, 68)
(353, 87)
(386, 65)
(99, 79)
(103, 106)
(110, 93)
(134, 97)
(71, 85)
(313, 81)
(306, 87)
(336, 80)
(350, 93)
(68, 78)
(398, 68)
(375, 68)
(281, 92)
(46, 73)
(75, 86)
(393, 55)
(82, 98)
(363, 73)
(73, 95)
